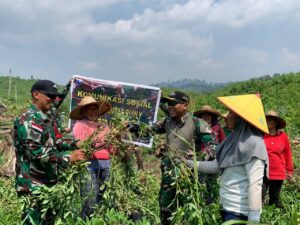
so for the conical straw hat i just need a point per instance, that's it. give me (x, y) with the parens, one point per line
(281, 122)
(77, 114)
(249, 107)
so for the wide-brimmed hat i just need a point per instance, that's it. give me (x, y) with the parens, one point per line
(207, 109)
(77, 113)
(273, 114)
(249, 107)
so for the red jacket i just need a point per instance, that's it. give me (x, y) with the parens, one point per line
(280, 155)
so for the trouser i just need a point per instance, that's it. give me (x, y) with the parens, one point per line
(167, 192)
(92, 188)
(227, 216)
(274, 187)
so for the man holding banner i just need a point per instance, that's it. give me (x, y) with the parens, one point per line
(183, 133)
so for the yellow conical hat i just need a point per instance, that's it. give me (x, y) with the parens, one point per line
(249, 107)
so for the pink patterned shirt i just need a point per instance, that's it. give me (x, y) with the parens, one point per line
(83, 129)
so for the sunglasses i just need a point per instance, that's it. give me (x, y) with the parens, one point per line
(173, 103)
(51, 96)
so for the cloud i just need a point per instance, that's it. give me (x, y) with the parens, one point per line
(90, 66)
(158, 38)
(290, 59)
(251, 56)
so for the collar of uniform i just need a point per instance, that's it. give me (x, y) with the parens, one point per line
(182, 120)
(43, 115)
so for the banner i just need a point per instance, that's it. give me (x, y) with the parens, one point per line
(139, 102)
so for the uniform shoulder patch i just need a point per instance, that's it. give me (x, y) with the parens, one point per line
(37, 127)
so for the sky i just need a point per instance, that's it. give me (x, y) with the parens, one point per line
(149, 41)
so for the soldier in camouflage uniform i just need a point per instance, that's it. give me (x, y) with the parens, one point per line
(179, 124)
(38, 152)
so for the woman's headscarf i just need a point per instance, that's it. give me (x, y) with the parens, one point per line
(243, 144)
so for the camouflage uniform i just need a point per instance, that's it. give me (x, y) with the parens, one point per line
(38, 154)
(195, 131)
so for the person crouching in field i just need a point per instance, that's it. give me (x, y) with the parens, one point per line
(280, 158)
(241, 159)
(38, 152)
(87, 126)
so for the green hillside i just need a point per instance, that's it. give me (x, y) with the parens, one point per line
(280, 93)
(19, 94)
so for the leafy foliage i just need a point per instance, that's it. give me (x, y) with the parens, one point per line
(131, 191)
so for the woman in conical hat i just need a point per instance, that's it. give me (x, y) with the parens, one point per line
(280, 158)
(241, 159)
(87, 114)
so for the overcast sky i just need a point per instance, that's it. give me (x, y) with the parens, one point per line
(148, 41)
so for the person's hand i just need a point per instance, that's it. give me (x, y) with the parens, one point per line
(113, 150)
(70, 81)
(190, 154)
(99, 145)
(77, 155)
(67, 130)
(289, 177)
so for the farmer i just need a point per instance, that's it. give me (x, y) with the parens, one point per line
(241, 159)
(211, 116)
(182, 131)
(280, 158)
(87, 126)
(37, 151)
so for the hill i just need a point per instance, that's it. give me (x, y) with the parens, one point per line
(19, 94)
(195, 85)
(278, 92)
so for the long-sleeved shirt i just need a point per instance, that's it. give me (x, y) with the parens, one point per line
(38, 152)
(280, 155)
(240, 186)
(83, 129)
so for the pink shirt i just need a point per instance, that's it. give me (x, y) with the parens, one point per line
(83, 129)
